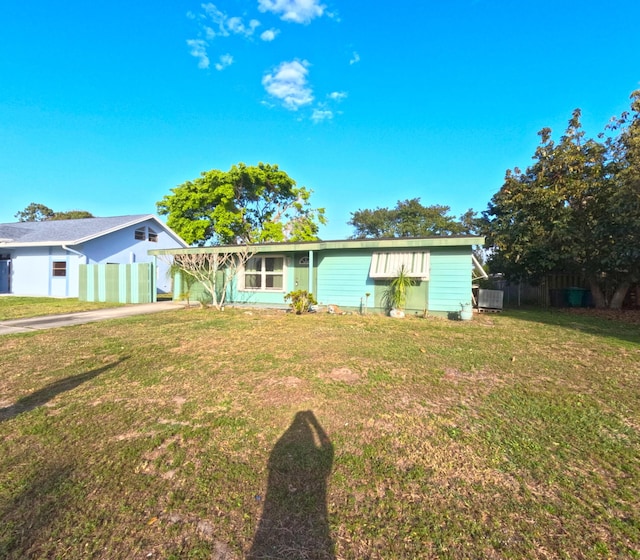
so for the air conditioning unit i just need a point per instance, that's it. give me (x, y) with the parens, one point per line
(490, 299)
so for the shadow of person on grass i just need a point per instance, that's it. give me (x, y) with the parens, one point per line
(27, 519)
(44, 395)
(294, 522)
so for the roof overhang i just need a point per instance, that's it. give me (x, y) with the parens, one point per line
(395, 243)
(9, 243)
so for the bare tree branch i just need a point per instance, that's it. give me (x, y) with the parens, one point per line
(214, 270)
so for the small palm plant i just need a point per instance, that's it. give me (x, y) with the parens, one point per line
(396, 295)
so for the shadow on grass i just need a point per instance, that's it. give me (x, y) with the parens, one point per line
(294, 522)
(28, 517)
(44, 395)
(622, 325)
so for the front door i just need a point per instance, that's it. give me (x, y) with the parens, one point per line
(301, 271)
(5, 276)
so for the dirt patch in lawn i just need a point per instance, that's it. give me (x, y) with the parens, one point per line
(344, 374)
(284, 391)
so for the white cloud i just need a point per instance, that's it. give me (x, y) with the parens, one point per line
(269, 34)
(224, 61)
(338, 95)
(355, 58)
(224, 25)
(288, 83)
(237, 26)
(320, 115)
(333, 15)
(209, 32)
(213, 23)
(199, 50)
(297, 11)
(217, 17)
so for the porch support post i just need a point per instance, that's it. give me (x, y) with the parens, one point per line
(310, 272)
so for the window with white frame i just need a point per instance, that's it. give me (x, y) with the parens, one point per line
(387, 264)
(264, 274)
(143, 233)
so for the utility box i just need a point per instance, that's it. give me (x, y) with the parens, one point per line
(490, 299)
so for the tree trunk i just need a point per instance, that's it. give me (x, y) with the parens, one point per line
(619, 295)
(596, 293)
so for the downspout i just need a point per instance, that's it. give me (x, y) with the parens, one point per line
(70, 250)
(67, 248)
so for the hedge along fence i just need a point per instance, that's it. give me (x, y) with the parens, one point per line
(117, 283)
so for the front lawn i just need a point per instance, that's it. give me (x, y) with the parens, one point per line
(260, 434)
(18, 307)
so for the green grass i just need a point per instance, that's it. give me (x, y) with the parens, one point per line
(14, 307)
(199, 434)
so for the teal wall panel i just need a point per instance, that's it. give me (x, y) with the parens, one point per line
(343, 277)
(450, 279)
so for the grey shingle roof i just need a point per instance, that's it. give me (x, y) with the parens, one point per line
(69, 232)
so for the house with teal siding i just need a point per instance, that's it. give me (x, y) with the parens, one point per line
(352, 274)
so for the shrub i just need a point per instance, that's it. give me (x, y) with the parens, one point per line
(300, 301)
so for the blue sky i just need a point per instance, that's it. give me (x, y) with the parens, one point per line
(105, 106)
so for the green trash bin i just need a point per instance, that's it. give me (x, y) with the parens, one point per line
(575, 296)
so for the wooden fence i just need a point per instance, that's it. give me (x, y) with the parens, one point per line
(118, 283)
(548, 293)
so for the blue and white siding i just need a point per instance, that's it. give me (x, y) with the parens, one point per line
(32, 272)
(32, 266)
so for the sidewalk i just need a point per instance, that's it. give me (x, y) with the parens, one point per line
(52, 321)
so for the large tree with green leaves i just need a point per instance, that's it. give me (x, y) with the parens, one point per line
(410, 218)
(72, 215)
(576, 209)
(39, 213)
(247, 204)
(35, 213)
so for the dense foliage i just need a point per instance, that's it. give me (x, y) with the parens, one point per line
(410, 218)
(576, 209)
(39, 213)
(247, 204)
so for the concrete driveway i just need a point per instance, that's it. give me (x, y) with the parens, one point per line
(68, 319)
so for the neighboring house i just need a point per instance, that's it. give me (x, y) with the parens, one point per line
(342, 273)
(44, 258)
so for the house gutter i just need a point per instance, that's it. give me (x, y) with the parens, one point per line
(67, 248)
